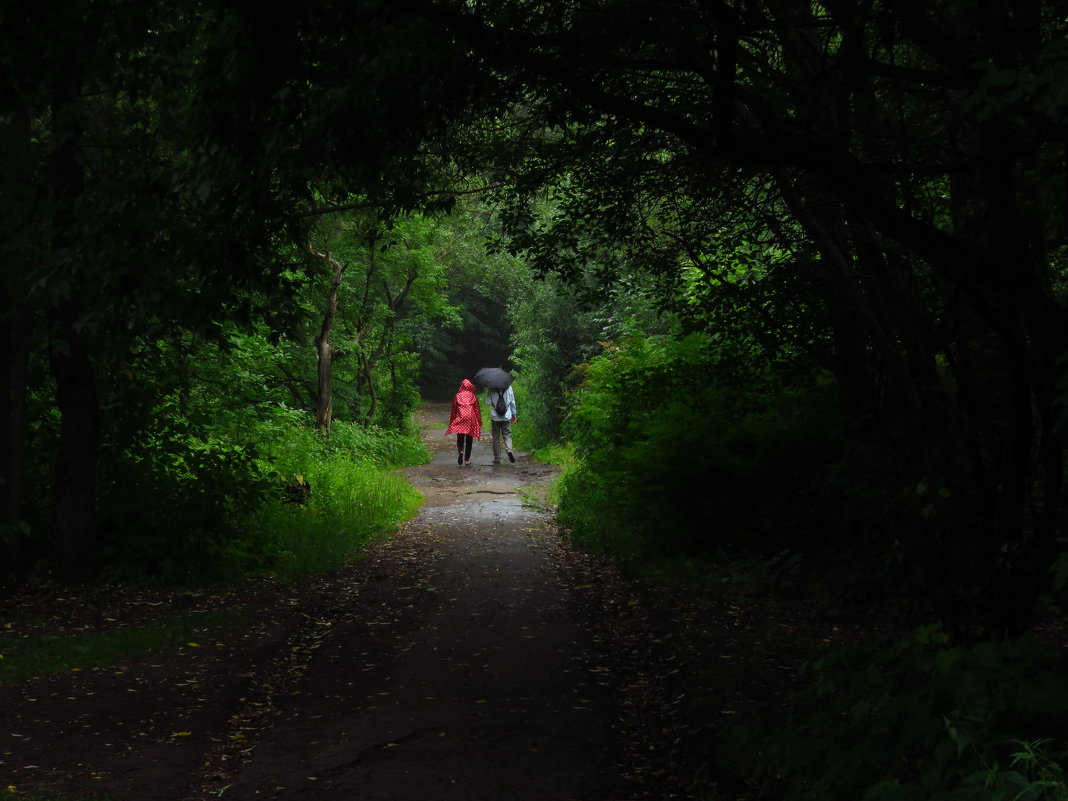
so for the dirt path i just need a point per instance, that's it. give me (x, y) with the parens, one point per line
(449, 665)
(461, 675)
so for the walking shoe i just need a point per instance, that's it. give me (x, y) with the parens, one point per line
(496, 461)
(511, 457)
(460, 460)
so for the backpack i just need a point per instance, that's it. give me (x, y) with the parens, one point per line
(501, 408)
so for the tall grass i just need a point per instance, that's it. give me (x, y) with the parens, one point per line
(353, 497)
(205, 500)
(563, 456)
(351, 503)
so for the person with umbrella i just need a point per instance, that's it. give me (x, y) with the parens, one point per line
(501, 399)
(465, 421)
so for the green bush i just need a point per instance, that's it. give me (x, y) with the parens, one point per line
(190, 503)
(398, 396)
(552, 332)
(917, 720)
(352, 497)
(673, 461)
(167, 498)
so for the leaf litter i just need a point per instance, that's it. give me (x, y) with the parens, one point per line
(196, 722)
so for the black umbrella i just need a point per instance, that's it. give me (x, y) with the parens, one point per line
(493, 378)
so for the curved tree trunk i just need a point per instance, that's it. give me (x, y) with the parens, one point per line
(324, 408)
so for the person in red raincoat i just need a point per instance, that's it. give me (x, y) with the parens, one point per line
(465, 421)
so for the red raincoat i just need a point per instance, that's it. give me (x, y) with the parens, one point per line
(466, 417)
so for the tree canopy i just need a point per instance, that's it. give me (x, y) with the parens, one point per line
(874, 191)
(783, 281)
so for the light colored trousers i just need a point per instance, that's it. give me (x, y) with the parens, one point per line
(501, 428)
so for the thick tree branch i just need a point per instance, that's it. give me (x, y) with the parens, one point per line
(377, 204)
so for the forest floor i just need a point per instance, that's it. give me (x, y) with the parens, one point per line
(473, 655)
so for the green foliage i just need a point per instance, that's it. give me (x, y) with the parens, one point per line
(479, 284)
(192, 427)
(671, 462)
(1031, 775)
(561, 455)
(41, 655)
(397, 393)
(353, 498)
(172, 495)
(883, 241)
(392, 284)
(191, 501)
(918, 720)
(553, 334)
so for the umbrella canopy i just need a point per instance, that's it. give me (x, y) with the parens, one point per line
(493, 378)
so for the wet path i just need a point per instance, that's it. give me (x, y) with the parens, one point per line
(458, 672)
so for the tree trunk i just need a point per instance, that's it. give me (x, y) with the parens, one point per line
(16, 342)
(15, 339)
(74, 488)
(372, 407)
(74, 482)
(324, 407)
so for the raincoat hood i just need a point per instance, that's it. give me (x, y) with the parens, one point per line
(468, 394)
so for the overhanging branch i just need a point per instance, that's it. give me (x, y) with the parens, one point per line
(377, 204)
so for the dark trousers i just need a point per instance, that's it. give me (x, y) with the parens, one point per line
(463, 445)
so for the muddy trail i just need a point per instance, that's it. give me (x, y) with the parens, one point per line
(473, 655)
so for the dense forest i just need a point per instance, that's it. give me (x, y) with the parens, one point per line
(783, 284)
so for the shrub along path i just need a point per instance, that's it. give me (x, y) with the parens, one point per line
(471, 656)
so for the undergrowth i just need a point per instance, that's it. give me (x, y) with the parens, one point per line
(750, 496)
(43, 654)
(669, 464)
(352, 497)
(256, 495)
(793, 699)
(914, 719)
